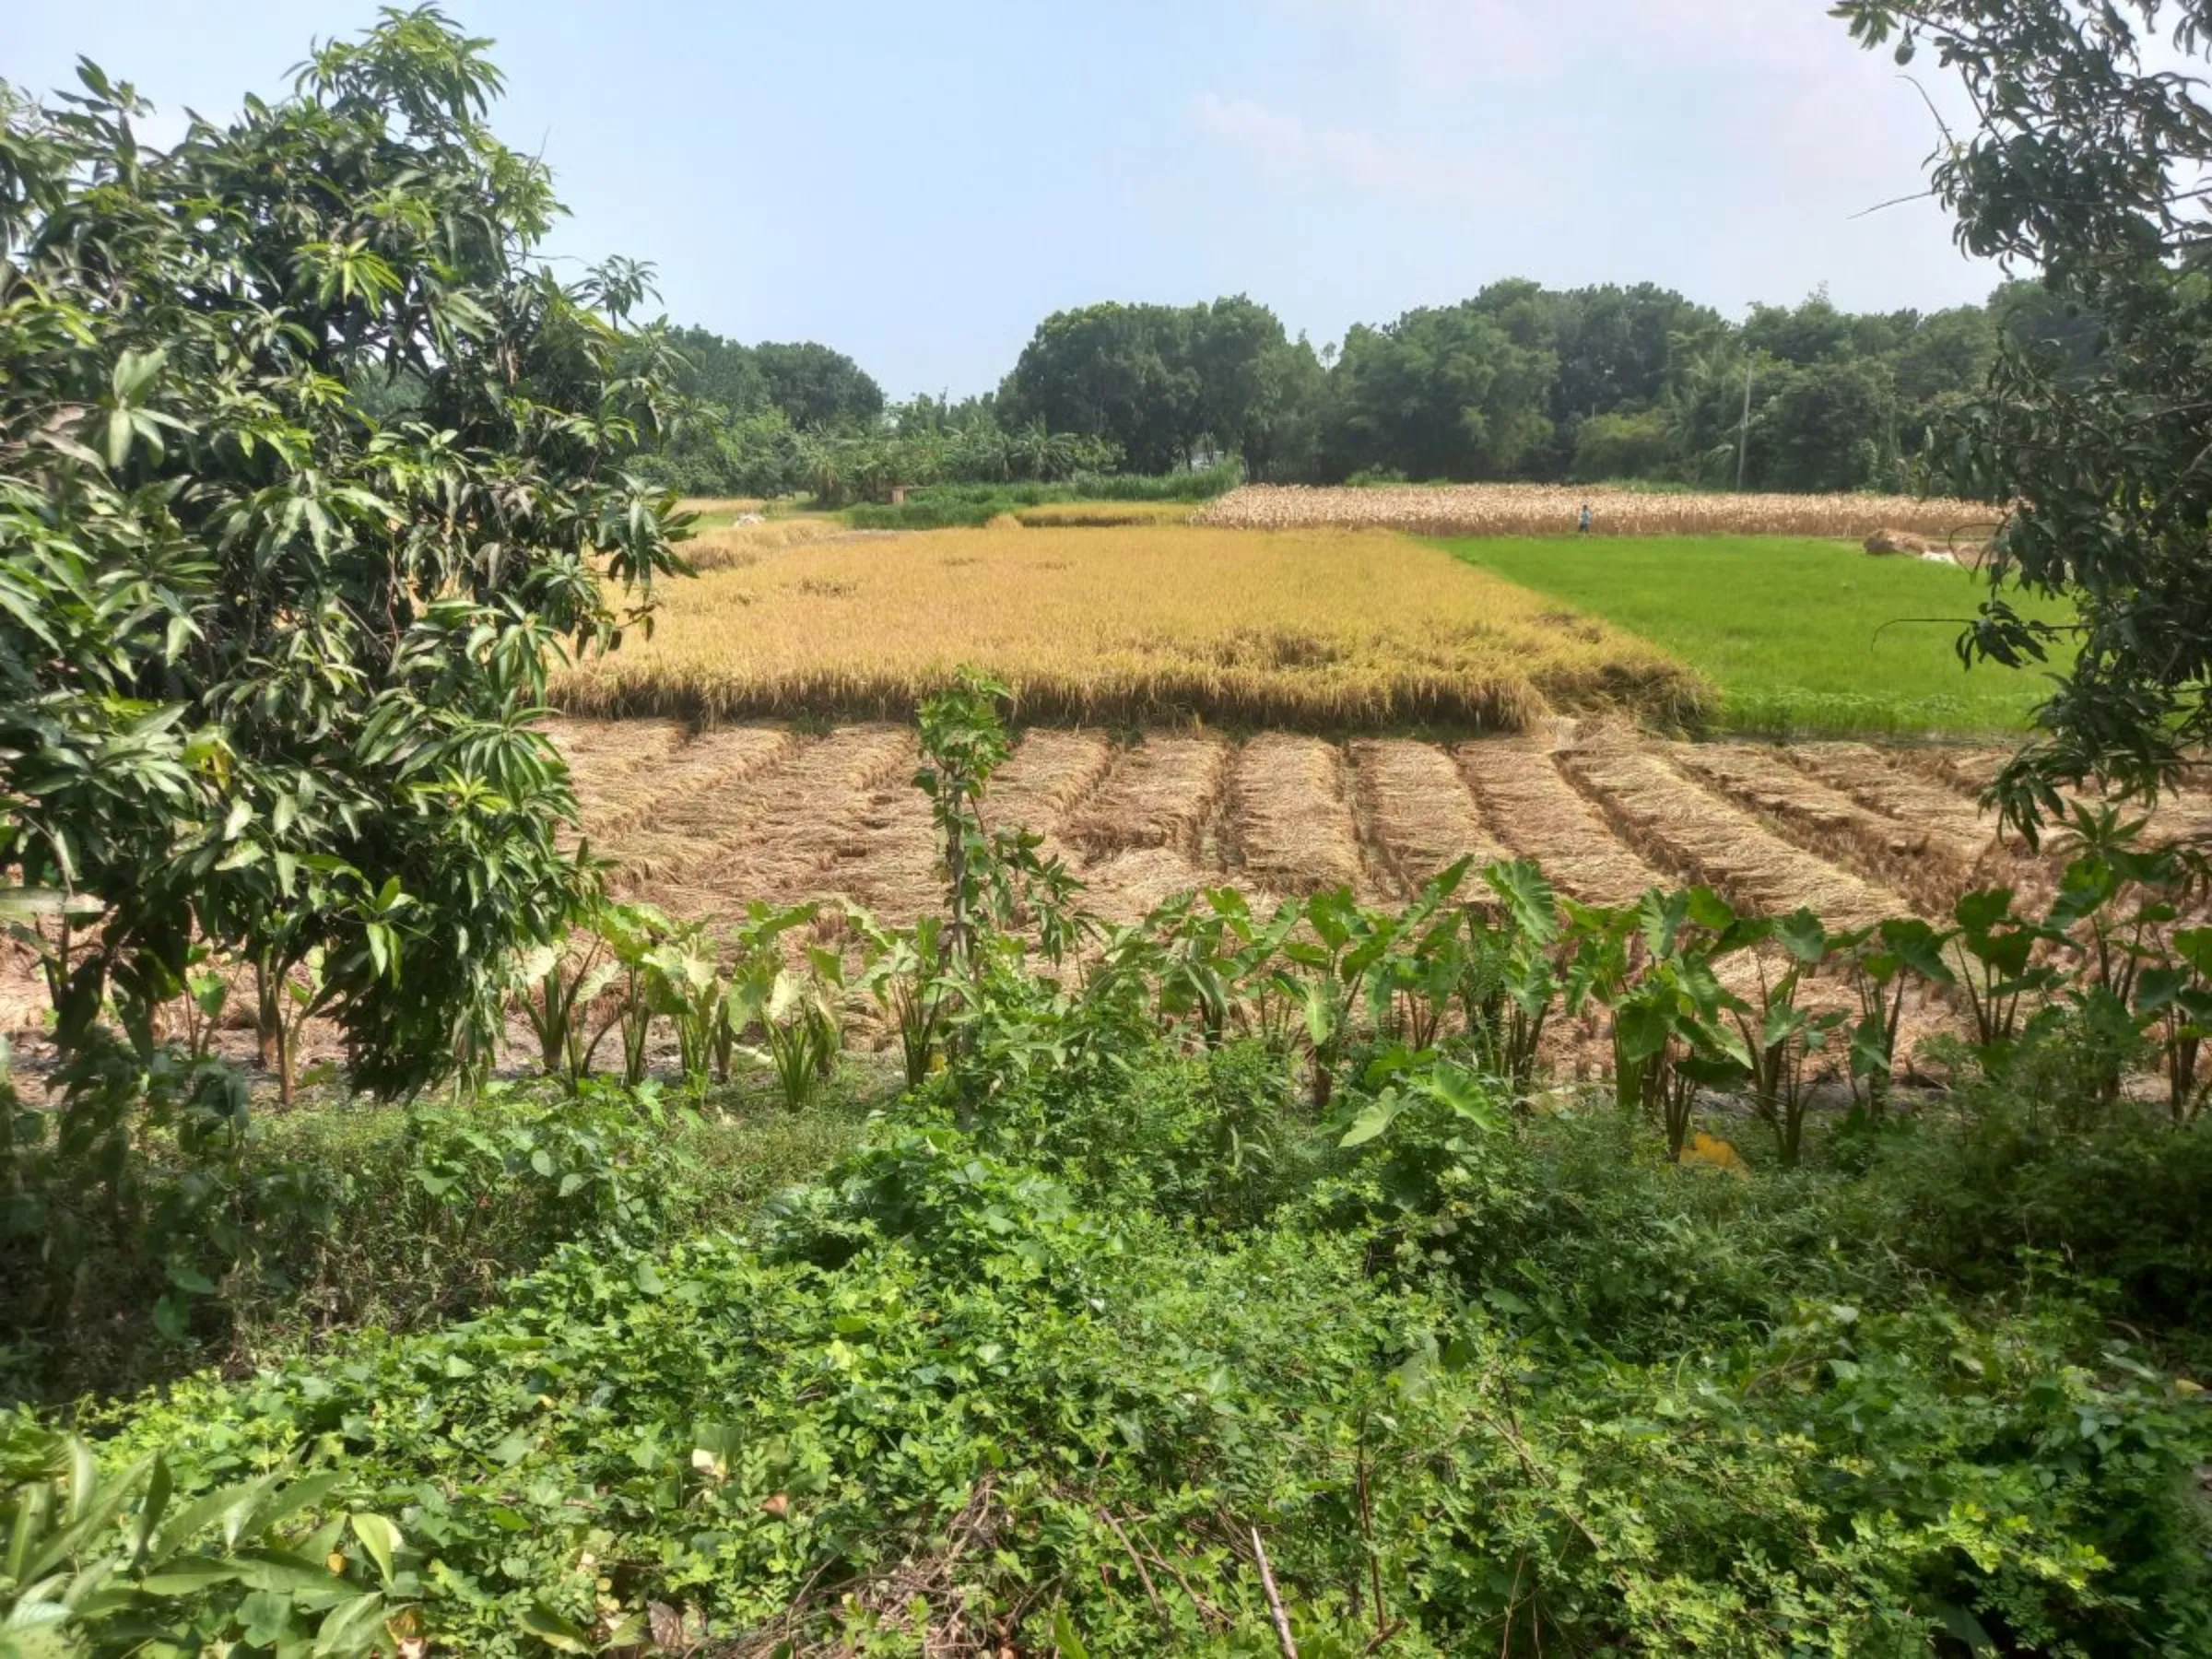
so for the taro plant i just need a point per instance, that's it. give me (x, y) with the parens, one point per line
(802, 1039)
(1671, 1014)
(206, 995)
(2173, 1001)
(2117, 902)
(560, 983)
(1197, 938)
(1998, 953)
(756, 979)
(2116, 897)
(1778, 1032)
(1883, 963)
(1265, 1000)
(632, 933)
(682, 983)
(1511, 975)
(1348, 942)
(289, 996)
(900, 969)
(1414, 985)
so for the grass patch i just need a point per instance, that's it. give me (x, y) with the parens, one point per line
(1320, 630)
(368, 1216)
(1804, 638)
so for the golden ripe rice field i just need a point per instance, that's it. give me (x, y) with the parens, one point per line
(1554, 510)
(1319, 630)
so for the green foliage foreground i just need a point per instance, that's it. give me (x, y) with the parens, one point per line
(1117, 1334)
(1048, 1374)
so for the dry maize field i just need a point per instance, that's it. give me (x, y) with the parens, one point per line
(701, 823)
(1319, 630)
(1555, 509)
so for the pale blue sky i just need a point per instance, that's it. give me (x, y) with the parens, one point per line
(920, 185)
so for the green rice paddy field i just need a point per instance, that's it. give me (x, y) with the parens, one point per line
(1803, 638)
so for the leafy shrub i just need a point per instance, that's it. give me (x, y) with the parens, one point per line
(355, 1215)
(938, 1344)
(101, 1565)
(2123, 1211)
(1220, 1141)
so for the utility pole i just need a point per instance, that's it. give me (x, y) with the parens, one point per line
(1743, 436)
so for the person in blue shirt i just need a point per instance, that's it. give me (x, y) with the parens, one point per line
(1584, 528)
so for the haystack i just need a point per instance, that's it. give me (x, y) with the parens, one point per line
(885, 854)
(1128, 886)
(764, 836)
(1928, 865)
(1704, 839)
(1420, 814)
(1953, 826)
(1891, 543)
(1051, 775)
(618, 794)
(1159, 795)
(1538, 814)
(1293, 818)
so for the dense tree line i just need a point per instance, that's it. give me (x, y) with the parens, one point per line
(1520, 382)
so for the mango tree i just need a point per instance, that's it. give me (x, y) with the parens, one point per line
(309, 469)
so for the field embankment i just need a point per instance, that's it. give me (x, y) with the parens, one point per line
(1548, 509)
(1320, 630)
